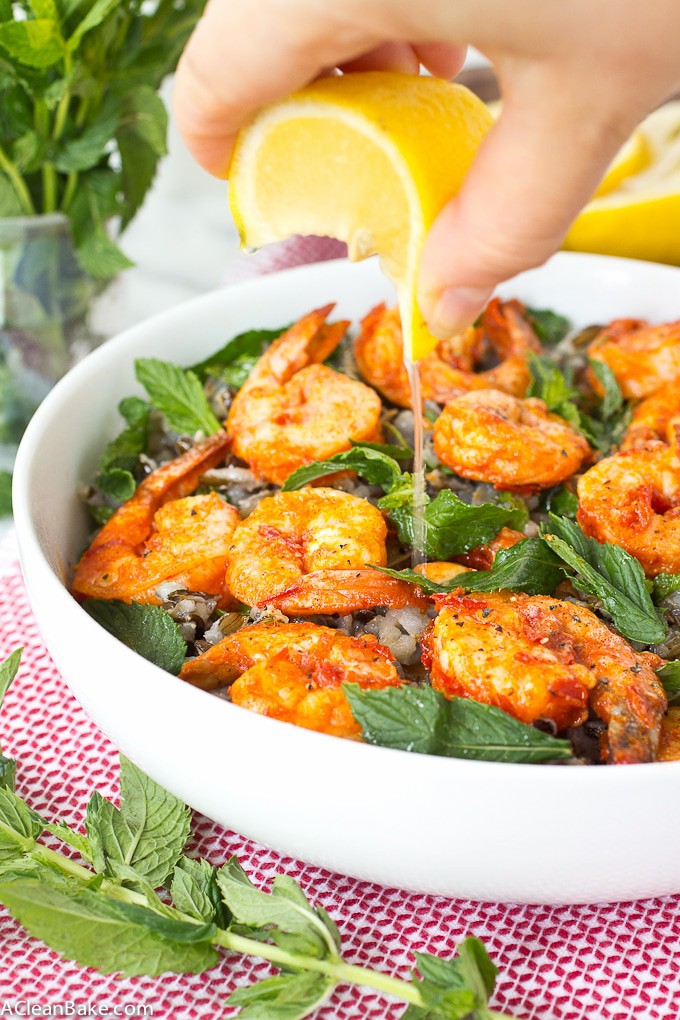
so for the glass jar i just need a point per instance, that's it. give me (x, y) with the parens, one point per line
(45, 300)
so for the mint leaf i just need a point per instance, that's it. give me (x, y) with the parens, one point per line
(123, 452)
(665, 585)
(86, 150)
(117, 485)
(612, 400)
(550, 327)
(95, 931)
(141, 138)
(452, 527)
(147, 833)
(610, 574)
(195, 892)
(235, 361)
(36, 43)
(283, 912)
(72, 838)
(457, 989)
(401, 452)
(374, 466)
(286, 997)
(551, 386)
(99, 10)
(101, 257)
(669, 674)
(8, 671)
(8, 772)
(5, 494)
(178, 394)
(527, 566)
(147, 630)
(561, 501)
(421, 719)
(18, 823)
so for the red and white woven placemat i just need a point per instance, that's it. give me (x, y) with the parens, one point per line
(611, 962)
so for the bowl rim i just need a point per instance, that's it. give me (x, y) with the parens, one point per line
(30, 549)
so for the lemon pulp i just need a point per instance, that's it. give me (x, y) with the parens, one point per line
(368, 158)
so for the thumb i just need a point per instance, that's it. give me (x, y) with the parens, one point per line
(535, 170)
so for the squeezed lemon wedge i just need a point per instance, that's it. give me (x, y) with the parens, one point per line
(368, 158)
(639, 217)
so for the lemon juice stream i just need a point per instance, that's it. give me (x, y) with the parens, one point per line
(418, 554)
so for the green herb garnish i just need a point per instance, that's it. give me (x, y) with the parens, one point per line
(235, 361)
(610, 574)
(550, 327)
(669, 674)
(178, 394)
(421, 719)
(147, 630)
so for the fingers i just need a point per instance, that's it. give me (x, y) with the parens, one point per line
(536, 169)
(220, 83)
(391, 56)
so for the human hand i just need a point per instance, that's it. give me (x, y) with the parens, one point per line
(575, 79)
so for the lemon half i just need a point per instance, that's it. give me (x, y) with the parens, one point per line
(640, 216)
(368, 158)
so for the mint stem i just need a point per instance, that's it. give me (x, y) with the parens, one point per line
(18, 183)
(337, 968)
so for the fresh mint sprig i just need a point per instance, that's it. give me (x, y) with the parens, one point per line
(612, 575)
(82, 127)
(178, 394)
(104, 911)
(422, 720)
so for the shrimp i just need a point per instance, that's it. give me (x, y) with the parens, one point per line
(643, 358)
(163, 534)
(540, 658)
(449, 370)
(303, 552)
(493, 437)
(633, 499)
(294, 672)
(483, 556)
(440, 572)
(292, 411)
(654, 421)
(669, 747)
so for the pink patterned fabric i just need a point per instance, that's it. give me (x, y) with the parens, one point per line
(611, 962)
(615, 962)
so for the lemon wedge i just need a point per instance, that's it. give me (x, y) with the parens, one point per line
(633, 156)
(640, 216)
(368, 158)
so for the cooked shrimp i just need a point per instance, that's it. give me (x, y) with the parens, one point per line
(440, 572)
(654, 421)
(633, 499)
(483, 556)
(492, 437)
(292, 411)
(449, 370)
(294, 672)
(303, 551)
(540, 658)
(346, 591)
(669, 747)
(643, 358)
(163, 534)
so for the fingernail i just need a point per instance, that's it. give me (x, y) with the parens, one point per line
(455, 309)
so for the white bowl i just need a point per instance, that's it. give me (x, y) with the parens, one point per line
(487, 831)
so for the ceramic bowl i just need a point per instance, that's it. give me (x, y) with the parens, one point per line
(486, 831)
